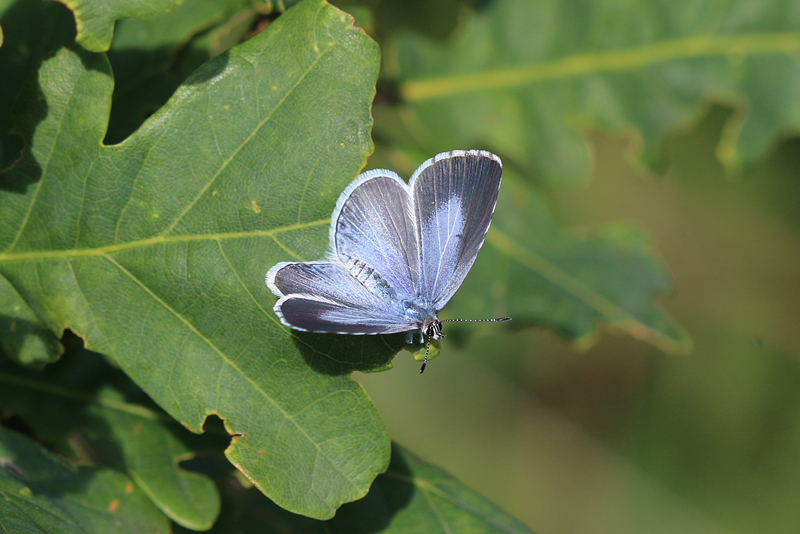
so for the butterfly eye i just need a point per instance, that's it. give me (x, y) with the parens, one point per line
(434, 330)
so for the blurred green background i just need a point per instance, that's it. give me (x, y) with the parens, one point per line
(619, 436)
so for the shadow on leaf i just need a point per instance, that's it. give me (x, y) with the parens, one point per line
(246, 510)
(388, 495)
(32, 29)
(30, 109)
(341, 354)
(209, 70)
(27, 342)
(145, 79)
(68, 404)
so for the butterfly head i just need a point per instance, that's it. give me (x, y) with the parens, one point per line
(434, 330)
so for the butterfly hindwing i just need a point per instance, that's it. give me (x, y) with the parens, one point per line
(322, 297)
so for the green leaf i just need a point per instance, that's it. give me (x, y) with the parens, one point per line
(33, 29)
(419, 350)
(92, 413)
(281, 5)
(537, 76)
(176, 27)
(531, 270)
(22, 335)
(155, 250)
(41, 493)
(152, 57)
(435, 20)
(247, 19)
(411, 497)
(535, 273)
(95, 18)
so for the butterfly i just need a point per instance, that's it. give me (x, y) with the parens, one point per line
(397, 252)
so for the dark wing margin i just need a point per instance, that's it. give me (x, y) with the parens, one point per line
(454, 195)
(322, 297)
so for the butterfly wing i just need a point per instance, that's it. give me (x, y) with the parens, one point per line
(373, 232)
(321, 296)
(373, 264)
(392, 242)
(454, 196)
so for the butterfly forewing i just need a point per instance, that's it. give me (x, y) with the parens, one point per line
(373, 232)
(454, 198)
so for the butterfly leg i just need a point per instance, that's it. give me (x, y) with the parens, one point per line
(411, 334)
(410, 337)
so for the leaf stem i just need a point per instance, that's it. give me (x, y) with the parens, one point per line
(611, 60)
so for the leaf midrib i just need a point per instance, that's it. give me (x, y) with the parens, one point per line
(499, 240)
(585, 293)
(226, 359)
(35, 255)
(614, 60)
(252, 134)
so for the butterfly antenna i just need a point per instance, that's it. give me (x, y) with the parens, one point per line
(425, 361)
(495, 320)
(428, 348)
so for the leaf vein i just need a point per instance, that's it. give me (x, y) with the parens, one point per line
(244, 143)
(286, 415)
(427, 488)
(45, 172)
(434, 510)
(614, 60)
(586, 294)
(269, 316)
(57, 391)
(152, 241)
(135, 180)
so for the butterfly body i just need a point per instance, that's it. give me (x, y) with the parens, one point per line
(423, 318)
(397, 252)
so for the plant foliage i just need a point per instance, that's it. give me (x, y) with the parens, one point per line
(161, 156)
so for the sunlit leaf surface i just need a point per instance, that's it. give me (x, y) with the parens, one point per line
(155, 250)
(95, 18)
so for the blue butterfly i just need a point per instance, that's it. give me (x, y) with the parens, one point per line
(398, 252)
